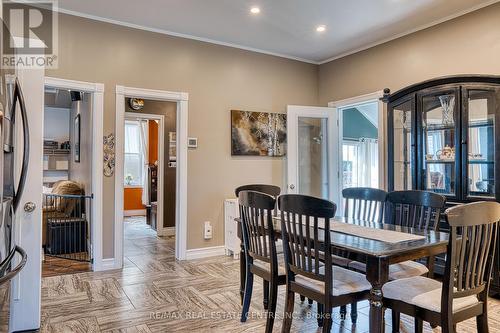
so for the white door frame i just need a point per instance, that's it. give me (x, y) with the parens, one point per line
(341, 104)
(293, 114)
(181, 98)
(97, 91)
(160, 230)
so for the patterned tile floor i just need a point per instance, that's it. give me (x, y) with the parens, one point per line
(155, 293)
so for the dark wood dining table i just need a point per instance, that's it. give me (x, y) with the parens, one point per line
(376, 254)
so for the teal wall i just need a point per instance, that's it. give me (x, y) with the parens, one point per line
(356, 126)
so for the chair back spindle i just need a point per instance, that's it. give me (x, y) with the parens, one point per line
(364, 203)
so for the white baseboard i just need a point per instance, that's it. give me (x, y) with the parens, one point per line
(134, 212)
(205, 252)
(105, 265)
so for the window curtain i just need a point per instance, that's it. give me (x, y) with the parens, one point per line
(367, 162)
(144, 129)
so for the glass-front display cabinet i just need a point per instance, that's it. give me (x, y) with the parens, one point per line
(444, 136)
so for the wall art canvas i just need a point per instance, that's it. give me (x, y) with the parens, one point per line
(258, 133)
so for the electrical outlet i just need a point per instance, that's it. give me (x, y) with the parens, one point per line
(208, 230)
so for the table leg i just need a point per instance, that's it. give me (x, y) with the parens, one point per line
(243, 271)
(376, 310)
(377, 274)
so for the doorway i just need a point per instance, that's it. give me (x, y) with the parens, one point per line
(149, 171)
(335, 147)
(131, 102)
(360, 155)
(83, 155)
(67, 182)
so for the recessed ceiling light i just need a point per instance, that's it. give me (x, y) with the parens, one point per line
(255, 10)
(320, 28)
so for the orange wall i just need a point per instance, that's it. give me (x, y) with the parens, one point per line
(153, 141)
(133, 198)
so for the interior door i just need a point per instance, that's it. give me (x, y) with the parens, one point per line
(25, 287)
(313, 152)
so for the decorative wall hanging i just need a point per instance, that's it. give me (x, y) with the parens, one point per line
(258, 133)
(109, 155)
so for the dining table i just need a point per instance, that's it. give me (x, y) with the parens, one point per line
(378, 245)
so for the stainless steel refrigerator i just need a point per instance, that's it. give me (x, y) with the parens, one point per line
(12, 110)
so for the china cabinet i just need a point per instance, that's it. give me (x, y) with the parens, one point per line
(444, 136)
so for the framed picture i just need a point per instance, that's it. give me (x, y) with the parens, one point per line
(258, 133)
(77, 138)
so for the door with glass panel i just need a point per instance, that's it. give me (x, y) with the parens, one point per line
(402, 140)
(440, 139)
(311, 146)
(480, 141)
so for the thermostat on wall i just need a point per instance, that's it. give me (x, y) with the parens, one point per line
(192, 142)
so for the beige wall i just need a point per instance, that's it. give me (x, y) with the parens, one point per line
(467, 45)
(217, 79)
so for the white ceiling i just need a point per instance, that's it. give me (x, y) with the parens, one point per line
(284, 27)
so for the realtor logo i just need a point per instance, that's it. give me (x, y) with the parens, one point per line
(29, 33)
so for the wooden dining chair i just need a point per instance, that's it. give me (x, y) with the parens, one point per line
(304, 220)
(469, 261)
(362, 203)
(415, 209)
(419, 210)
(273, 191)
(256, 210)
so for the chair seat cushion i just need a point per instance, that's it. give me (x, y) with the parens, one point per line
(401, 270)
(344, 282)
(267, 266)
(424, 293)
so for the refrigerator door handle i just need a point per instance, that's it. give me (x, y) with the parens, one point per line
(18, 97)
(13, 272)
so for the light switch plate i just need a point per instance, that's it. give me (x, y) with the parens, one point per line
(192, 142)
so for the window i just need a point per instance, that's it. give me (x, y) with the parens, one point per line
(360, 163)
(133, 155)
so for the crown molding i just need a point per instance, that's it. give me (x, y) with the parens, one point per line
(409, 32)
(181, 35)
(270, 53)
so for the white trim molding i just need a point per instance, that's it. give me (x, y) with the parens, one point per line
(108, 264)
(97, 91)
(382, 118)
(205, 252)
(181, 98)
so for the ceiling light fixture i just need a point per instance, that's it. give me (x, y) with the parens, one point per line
(320, 28)
(255, 10)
